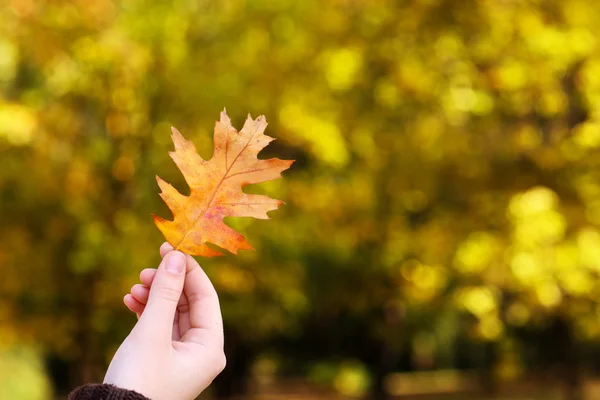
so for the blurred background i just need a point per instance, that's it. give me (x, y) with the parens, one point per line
(441, 237)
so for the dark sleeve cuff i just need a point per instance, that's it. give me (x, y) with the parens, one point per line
(104, 392)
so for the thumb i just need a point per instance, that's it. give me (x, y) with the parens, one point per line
(165, 292)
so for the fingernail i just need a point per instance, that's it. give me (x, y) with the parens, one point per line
(175, 262)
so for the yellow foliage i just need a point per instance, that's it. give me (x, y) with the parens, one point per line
(477, 252)
(460, 134)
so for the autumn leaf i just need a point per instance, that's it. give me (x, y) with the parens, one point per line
(216, 188)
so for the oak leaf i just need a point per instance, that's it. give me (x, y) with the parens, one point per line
(216, 188)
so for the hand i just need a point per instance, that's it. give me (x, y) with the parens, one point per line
(176, 348)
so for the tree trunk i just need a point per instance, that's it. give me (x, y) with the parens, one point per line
(384, 368)
(233, 381)
(87, 368)
(570, 368)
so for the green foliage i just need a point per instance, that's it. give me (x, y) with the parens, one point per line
(22, 375)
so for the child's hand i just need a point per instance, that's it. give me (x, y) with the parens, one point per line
(176, 348)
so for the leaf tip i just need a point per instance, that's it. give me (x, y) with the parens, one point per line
(158, 220)
(244, 245)
(206, 251)
(178, 139)
(225, 118)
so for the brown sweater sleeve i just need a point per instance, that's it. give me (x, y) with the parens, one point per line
(104, 392)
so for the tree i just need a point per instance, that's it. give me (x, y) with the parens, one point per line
(445, 169)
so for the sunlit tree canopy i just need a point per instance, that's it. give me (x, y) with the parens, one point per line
(445, 201)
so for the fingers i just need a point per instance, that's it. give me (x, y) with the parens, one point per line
(165, 248)
(140, 293)
(147, 276)
(204, 309)
(134, 305)
(165, 292)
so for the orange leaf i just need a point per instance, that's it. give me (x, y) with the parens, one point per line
(216, 188)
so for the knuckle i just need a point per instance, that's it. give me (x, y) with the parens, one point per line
(168, 293)
(183, 308)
